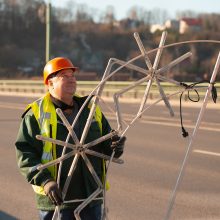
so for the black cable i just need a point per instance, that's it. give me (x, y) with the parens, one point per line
(191, 86)
(214, 93)
(184, 132)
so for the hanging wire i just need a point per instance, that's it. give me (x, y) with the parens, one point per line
(190, 88)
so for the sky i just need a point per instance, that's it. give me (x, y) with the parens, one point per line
(171, 6)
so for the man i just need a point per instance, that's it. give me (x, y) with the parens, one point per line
(40, 118)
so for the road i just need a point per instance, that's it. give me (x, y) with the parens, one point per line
(141, 187)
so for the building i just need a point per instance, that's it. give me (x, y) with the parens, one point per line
(182, 26)
(190, 25)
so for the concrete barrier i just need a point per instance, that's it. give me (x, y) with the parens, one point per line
(36, 88)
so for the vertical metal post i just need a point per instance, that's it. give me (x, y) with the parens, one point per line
(48, 12)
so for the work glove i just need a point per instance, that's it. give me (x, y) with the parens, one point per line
(52, 190)
(118, 145)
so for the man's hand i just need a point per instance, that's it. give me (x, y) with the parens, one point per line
(52, 190)
(118, 145)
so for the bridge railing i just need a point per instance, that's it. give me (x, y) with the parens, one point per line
(36, 87)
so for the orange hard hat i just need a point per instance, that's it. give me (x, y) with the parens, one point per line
(55, 65)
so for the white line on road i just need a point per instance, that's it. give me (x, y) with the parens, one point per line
(186, 126)
(207, 152)
(171, 124)
(145, 120)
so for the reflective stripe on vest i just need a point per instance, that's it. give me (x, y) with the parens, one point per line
(45, 113)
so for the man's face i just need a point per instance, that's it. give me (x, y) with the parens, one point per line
(64, 83)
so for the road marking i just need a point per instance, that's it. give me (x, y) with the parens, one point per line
(207, 152)
(171, 123)
(129, 117)
(186, 126)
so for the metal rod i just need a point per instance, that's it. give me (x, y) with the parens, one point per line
(131, 66)
(104, 215)
(81, 200)
(111, 110)
(143, 52)
(122, 91)
(171, 65)
(56, 161)
(146, 94)
(155, 66)
(69, 176)
(57, 142)
(163, 95)
(118, 112)
(101, 139)
(116, 101)
(56, 215)
(159, 51)
(94, 194)
(174, 63)
(86, 202)
(162, 78)
(91, 169)
(91, 115)
(150, 67)
(68, 126)
(103, 156)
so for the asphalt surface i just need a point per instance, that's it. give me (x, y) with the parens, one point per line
(141, 187)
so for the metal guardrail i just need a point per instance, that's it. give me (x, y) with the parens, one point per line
(85, 87)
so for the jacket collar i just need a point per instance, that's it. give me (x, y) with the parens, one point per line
(59, 104)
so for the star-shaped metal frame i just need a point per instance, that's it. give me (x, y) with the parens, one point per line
(81, 149)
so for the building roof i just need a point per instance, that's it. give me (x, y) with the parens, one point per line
(192, 21)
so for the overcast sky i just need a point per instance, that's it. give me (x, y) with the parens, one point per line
(122, 6)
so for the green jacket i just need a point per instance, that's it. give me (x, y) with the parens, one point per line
(29, 151)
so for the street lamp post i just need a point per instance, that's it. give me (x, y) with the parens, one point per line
(48, 12)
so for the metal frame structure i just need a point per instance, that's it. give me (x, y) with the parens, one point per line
(80, 149)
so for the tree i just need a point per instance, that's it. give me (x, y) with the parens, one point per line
(159, 16)
(140, 14)
(108, 16)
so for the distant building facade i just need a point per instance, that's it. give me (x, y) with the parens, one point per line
(190, 25)
(184, 25)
